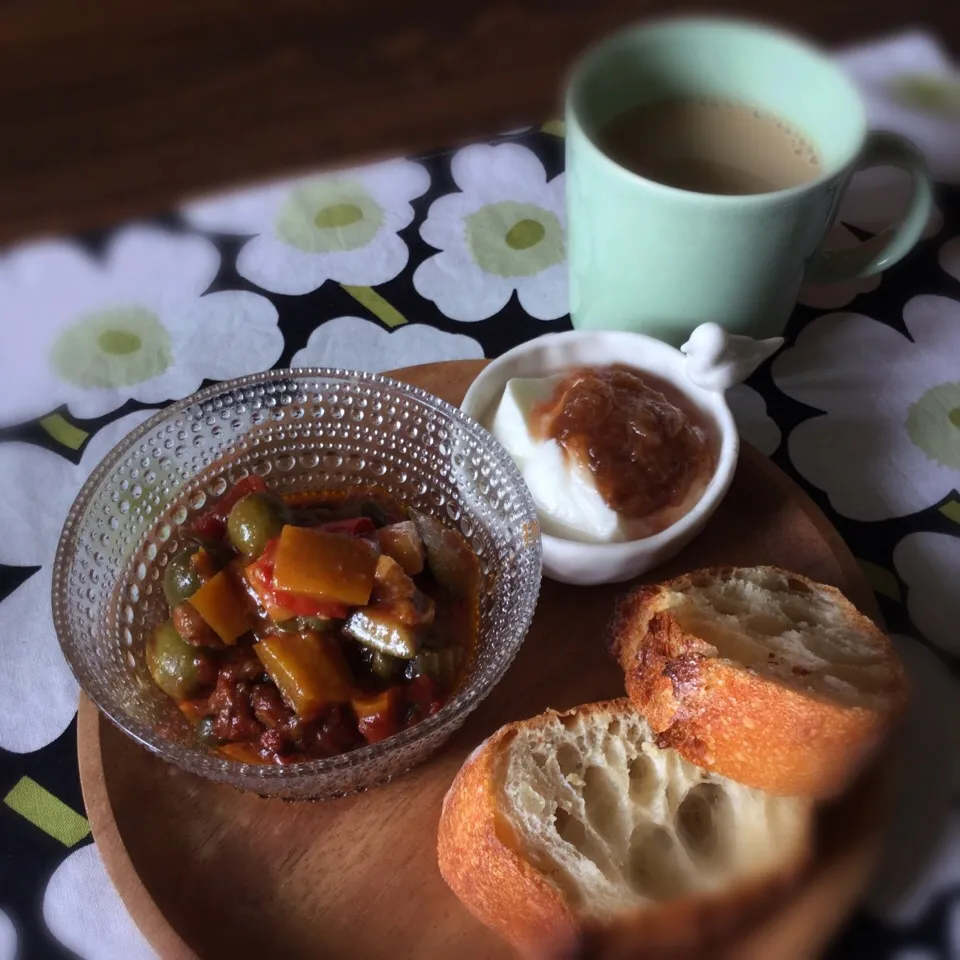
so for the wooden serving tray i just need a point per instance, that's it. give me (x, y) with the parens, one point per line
(212, 873)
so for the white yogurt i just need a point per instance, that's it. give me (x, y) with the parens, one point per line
(564, 491)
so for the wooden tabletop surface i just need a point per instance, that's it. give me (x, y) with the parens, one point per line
(119, 108)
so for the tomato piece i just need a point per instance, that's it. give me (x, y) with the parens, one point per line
(355, 527)
(212, 523)
(379, 716)
(422, 700)
(338, 731)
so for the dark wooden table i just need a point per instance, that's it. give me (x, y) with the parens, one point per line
(116, 108)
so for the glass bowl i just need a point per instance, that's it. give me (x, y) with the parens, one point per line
(304, 429)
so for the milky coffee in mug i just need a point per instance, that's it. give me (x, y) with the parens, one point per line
(706, 161)
(710, 146)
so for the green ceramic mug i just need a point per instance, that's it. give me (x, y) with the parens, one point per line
(660, 260)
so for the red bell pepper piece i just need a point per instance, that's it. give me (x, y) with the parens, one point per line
(261, 570)
(212, 523)
(354, 527)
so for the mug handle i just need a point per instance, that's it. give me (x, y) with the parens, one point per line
(882, 149)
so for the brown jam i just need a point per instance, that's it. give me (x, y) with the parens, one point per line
(645, 452)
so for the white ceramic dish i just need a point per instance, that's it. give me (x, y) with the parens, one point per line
(707, 365)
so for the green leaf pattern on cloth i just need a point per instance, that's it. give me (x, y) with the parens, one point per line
(883, 581)
(385, 312)
(63, 431)
(951, 510)
(46, 812)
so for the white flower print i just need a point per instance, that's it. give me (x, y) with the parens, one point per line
(95, 334)
(8, 938)
(756, 426)
(875, 199)
(38, 695)
(340, 226)
(503, 232)
(950, 257)
(910, 86)
(929, 563)
(83, 911)
(888, 443)
(926, 783)
(357, 344)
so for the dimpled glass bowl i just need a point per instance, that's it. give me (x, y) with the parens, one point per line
(300, 430)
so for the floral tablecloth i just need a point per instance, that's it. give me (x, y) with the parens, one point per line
(453, 255)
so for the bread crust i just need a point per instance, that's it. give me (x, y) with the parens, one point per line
(479, 859)
(752, 728)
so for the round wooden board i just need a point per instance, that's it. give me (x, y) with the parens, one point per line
(209, 872)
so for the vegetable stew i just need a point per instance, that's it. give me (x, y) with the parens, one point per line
(304, 626)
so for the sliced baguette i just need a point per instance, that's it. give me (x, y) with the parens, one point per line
(761, 675)
(573, 832)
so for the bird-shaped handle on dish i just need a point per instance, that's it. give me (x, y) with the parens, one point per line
(718, 360)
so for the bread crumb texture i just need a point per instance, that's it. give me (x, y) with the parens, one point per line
(785, 626)
(616, 823)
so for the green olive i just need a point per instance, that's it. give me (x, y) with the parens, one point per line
(181, 579)
(255, 520)
(206, 734)
(176, 667)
